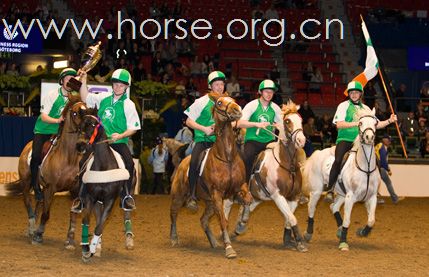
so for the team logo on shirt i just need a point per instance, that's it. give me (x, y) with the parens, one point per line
(109, 114)
(263, 118)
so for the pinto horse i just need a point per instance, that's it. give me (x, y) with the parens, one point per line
(104, 176)
(358, 180)
(223, 175)
(58, 171)
(276, 176)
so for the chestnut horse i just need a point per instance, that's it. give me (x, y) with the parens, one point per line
(223, 175)
(276, 176)
(105, 176)
(58, 171)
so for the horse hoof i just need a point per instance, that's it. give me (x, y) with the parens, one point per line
(86, 257)
(300, 246)
(308, 237)
(129, 242)
(37, 239)
(290, 245)
(344, 246)
(230, 253)
(69, 245)
(174, 242)
(241, 228)
(339, 230)
(361, 233)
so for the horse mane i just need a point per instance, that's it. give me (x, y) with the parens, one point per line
(289, 107)
(73, 99)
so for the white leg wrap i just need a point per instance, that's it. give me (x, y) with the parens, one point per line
(94, 242)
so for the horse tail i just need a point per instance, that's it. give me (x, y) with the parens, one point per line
(15, 188)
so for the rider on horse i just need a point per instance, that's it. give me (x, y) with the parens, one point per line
(201, 120)
(52, 105)
(347, 124)
(119, 118)
(259, 115)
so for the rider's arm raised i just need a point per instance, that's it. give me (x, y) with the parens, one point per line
(83, 88)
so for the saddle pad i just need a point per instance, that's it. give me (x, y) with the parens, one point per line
(107, 176)
(203, 163)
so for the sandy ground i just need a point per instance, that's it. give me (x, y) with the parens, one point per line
(398, 245)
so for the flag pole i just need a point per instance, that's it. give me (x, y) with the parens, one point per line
(391, 106)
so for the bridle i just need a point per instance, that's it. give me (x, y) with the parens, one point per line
(74, 114)
(224, 111)
(362, 133)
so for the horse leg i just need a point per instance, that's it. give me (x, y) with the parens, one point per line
(129, 235)
(284, 208)
(312, 203)
(70, 243)
(86, 253)
(217, 198)
(176, 203)
(205, 218)
(244, 216)
(370, 205)
(95, 244)
(348, 206)
(46, 203)
(335, 209)
(32, 216)
(227, 205)
(288, 240)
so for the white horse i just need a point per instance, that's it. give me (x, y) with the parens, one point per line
(358, 181)
(277, 177)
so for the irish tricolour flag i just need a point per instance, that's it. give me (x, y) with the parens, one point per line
(371, 64)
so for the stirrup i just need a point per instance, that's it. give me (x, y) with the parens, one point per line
(129, 206)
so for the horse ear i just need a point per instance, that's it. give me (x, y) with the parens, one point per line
(214, 96)
(298, 107)
(95, 109)
(373, 111)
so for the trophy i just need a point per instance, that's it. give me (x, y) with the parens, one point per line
(88, 61)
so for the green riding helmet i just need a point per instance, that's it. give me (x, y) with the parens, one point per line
(354, 85)
(121, 76)
(215, 76)
(267, 84)
(66, 72)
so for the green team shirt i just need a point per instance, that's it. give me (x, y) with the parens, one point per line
(347, 111)
(52, 105)
(201, 112)
(116, 116)
(255, 112)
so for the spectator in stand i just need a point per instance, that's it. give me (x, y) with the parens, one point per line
(316, 80)
(424, 145)
(13, 70)
(424, 92)
(271, 13)
(420, 113)
(165, 79)
(3, 67)
(233, 87)
(196, 67)
(327, 129)
(306, 112)
(422, 129)
(410, 125)
(400, 103)
(311, 132)
(257, 13)
(139, 73)
(370, 94)
(207, 64)
(307, 71)
(180, 88)
(157, 65)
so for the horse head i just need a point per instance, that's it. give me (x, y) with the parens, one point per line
(72, 114)
(225, 108)
(367, 126)
(292, 124)
(90, 128)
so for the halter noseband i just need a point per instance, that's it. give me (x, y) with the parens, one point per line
(223, 112)
(290, 134)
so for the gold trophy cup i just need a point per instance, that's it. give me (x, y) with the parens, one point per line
(89, 60)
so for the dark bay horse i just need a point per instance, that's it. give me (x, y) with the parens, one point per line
(223, 175)
(58, 172)
(105, 176)
(276, 176)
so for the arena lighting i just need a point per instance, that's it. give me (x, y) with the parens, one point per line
(61, 64)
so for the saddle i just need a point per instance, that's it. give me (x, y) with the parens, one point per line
(45, 148)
